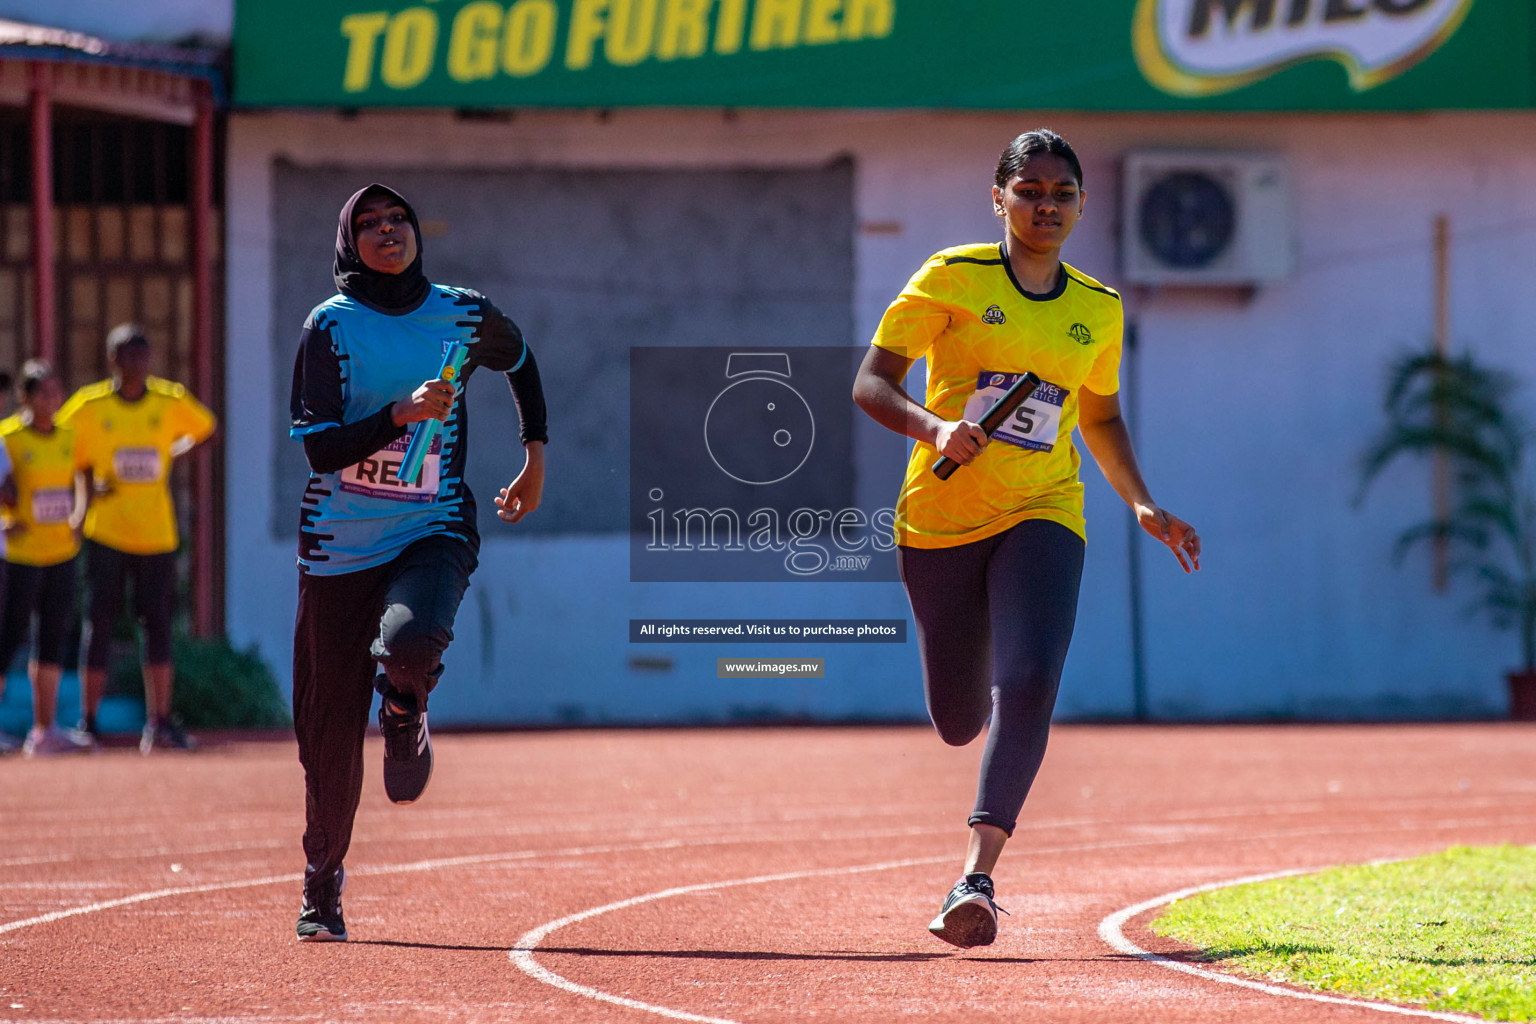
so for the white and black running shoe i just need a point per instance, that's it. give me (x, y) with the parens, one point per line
(407, 746)
(166, 734)
(320, 917)
(969, 915)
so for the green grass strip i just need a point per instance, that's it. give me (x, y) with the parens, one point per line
(1454, 931)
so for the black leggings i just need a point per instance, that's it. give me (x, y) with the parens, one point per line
(994, 619)
(399, 614)
(47, 591)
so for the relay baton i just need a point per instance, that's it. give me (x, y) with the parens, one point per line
(994, 418)
(425, 431)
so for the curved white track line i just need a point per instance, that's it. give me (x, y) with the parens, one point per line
(489, 858)
(1110, 930)
(145, 897)
(522, 953)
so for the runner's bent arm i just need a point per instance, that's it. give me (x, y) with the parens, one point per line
(84, 488)
(316, 406)
(196, 422)
(525, 493)
(74, 415)
(8, 495)
(877, 390)
(1103, 429)
(499, 345)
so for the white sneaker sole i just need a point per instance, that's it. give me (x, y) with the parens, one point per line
(969, 923)
(323, 936)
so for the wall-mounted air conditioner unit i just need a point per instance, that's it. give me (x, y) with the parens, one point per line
(1205, 218)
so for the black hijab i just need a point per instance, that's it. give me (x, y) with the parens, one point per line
(395, 294)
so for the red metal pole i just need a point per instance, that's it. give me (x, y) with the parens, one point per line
(44, 306)
(205, 603)
(1442, 464)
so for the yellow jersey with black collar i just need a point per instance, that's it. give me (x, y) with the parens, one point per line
(129, 448)
(965, 312)
(38, 531)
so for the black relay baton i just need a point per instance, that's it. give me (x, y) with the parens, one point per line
(994, 418)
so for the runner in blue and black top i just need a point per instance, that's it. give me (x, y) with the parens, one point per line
(384, 562)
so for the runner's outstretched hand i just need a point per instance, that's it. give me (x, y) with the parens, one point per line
(1174, 532)
(523, 495)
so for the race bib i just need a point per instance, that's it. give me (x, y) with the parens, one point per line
(52, 506)
(1033, 424)
(136, 465)
(378, 476)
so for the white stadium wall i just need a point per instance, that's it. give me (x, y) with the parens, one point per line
(1253, 411)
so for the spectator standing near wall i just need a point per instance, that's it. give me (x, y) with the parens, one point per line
(39, 496)
(128, 431)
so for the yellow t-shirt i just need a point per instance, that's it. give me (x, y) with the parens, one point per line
(965, 312)
(128, 446)
(43, 467)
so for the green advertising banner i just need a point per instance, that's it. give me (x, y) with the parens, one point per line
(970, 54)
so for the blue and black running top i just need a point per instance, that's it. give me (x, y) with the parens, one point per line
(356, 358)
(353, 364)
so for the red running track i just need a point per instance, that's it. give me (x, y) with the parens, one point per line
(751, 876)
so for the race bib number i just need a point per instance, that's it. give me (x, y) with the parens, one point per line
(53, 506)
(378, 476)
(1033, 425)
(136, 465)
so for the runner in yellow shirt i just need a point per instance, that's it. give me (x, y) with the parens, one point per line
(993, 557)
(40, 548)
(128, 431)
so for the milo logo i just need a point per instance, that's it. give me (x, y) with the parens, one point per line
(1205, 47)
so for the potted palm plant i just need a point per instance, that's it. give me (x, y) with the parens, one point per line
(1464, 412)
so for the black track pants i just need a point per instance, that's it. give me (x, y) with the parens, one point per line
(994, 619)
(399, 614)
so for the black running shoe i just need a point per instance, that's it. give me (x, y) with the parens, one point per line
(320, 918)
(969, 916)
(407, 747)
(167, 734)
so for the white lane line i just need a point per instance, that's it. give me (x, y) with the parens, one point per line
(1269, 813)
(522, 953)
(285, 1019)
(386, 869)
(671, 844)
(144, 897)
(1111, 931)
(185, 853)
